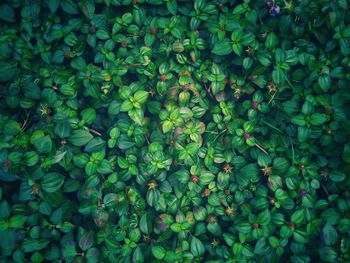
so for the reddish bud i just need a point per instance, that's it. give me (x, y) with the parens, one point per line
(124, 44)
(154, 30)
(255, 105)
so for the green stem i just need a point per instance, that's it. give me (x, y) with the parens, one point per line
(261, 148)
(290, 84)
(217, 136)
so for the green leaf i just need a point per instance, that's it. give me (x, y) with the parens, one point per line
(51, 182)
(271, 40)
(43, 144)
(63, 130)
(124, 142)
(337, 176)
(264, 218)
(251, 141)
(90, 168)
(328, 254)
(95, 145)
(206, 178)
(7, 14)
(176, 227)
(137, 116)
(7, 71)
(280, 55)
(92, 255)
(78, 63)
(126, 106)
(158, 252)
(222, 47)
(197, 247)
(69, 7)
(303, 133)
(152, 197)
(17, 221)
(145, 224)
(237, 48)
(80, 137)
(102, 34)
(330, 235)
(244, 228)
(4, 210)
(261, 247)
(8, 239)
(88, 8)
(172, 6)
(278, 76)
(298, 217)
(299, 120)
(88, 115)
(214, 229)
(53, 5)
(141, 96)
(325, 82)
(318, 119)
(86, 241)
(167, 126)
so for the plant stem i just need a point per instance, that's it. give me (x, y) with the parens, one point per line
(95, 132)
(261, 148)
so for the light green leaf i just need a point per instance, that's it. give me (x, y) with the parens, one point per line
(80, 137)
(222, 48)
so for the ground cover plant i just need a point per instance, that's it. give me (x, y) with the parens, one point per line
(174, 131)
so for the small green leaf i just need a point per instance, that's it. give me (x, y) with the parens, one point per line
(7, 71)
(86, 241)
(197, 247)
(43, 144)
(167, 126)
(53, 5)
(63, 130)
(330, 235)
(88, 7)
(126, 106)
(222, 48)
(51, 182)
(298, 217)
(137, 116)
(318, 119)
(172, 6)
(80, 137)
(95, 145)
(278, 76)
(337, 176)
(325, 82)
(158, 252)
(141, 96)
(237, 48)
(264, 218)
(124, 142)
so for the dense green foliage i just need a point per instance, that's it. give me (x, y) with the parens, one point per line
(174, 131)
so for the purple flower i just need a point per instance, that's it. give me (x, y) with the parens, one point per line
(186, 87)
(255, 105)
(275, 10)
(302, 192)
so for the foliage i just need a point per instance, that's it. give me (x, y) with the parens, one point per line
(174, 131)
